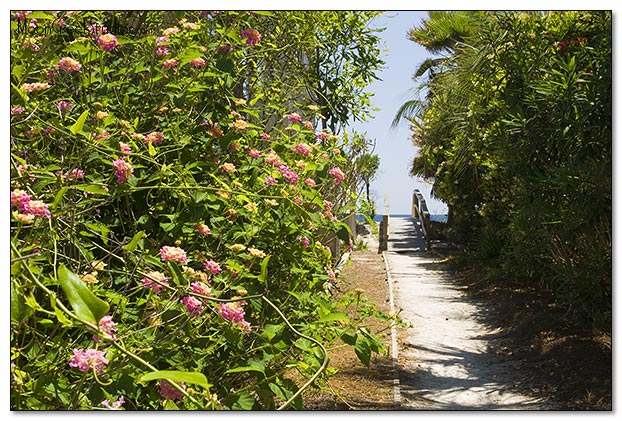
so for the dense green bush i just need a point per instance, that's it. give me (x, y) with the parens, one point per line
(516, 131)
(172, 204)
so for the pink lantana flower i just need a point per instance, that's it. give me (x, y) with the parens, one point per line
(155, 280)
(64, 105)
(175, 254)
(123, 170)
(87, 359)
(265, 136)
(193, 305)
(37, 208)
(125, 148)
(69, 65)
(107, 42)
(252, 36)
(337, 173)
(203, 229)
(228, 167)
(294, 118)
(234, 312)
(213, 267)
(197, 62)
(322, 136)
(154, 138)
(169, 392)
(201, 288)
(170, 63)
(108, 327)
(303, 149)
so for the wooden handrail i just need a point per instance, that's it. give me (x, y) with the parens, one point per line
(420, 210)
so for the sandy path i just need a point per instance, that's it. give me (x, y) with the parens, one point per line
(445, 359)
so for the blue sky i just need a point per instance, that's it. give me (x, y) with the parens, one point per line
(393, 145)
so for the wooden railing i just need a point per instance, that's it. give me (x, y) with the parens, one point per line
(420, 211)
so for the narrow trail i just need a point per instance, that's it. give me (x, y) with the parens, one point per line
(445, 360)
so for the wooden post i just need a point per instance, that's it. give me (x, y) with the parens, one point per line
(384, 233)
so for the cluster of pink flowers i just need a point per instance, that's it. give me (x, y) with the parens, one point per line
(228, 167)
(240, 125)
(304, 240)
(169, 392)
(101, 136)
(155, 280)
(273, 159)
(310, 182)
(123, 170)
(322, 136)
(74, 174)
(234, 312)
(303, 149)
(298, 200)
(170, 63)
(308, 125)
(64, 105)
(24, 203)
(69, 65)
(197, 62)
(115, 405)
(108, 327)
(36, 86)
(87, 359)
(269, 181)
(201, 288)
(252, 36)
(203, 229)
(294, 118)
(337, 173)
(213, 267)
(125, 148)
(170, 31)
(193, 305)
(161, 46)
(290, 175)
(154, 138)
(254, 153)
(17, 110)
(264, 136)
(107, 42)
(175, 254)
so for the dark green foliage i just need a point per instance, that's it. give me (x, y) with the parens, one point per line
(517, 133)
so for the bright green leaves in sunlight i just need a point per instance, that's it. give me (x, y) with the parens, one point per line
(86, 305)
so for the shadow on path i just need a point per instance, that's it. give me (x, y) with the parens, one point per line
(446, 359)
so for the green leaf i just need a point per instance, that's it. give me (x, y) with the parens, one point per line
(77, 126)
(263, 276)
(87, 306)
(92, 188)
(132, 245)
(363, 350)
(335, 317)
(177, 376)
(19, 309)
(245, 402)
(59, 314)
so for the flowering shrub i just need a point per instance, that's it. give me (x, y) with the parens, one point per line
(173, 255)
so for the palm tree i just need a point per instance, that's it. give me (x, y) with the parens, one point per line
(442, 33)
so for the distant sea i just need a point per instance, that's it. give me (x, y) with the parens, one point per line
(442, 218)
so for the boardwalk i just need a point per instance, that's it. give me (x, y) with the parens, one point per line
(444, 359)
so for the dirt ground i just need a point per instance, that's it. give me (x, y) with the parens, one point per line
(560, 360)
